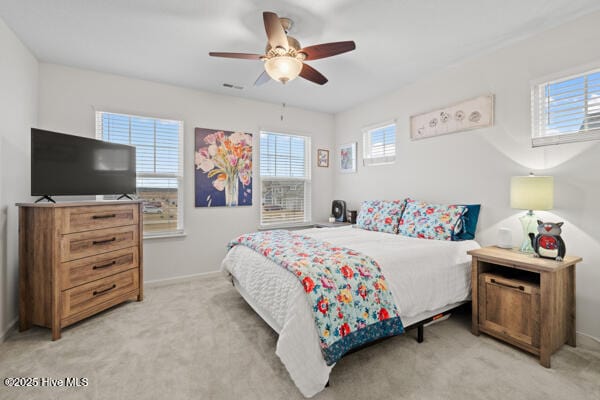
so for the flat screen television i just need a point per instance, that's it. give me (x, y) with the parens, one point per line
(68, 165)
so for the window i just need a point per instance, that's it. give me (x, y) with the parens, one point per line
(284, 179)
(380, 145)
(566, 109)
(159, 155)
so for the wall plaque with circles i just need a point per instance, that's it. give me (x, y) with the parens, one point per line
(470, 114)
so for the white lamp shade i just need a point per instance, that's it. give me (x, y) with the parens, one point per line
(283, 68)
(532, 192)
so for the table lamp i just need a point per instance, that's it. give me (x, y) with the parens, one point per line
(531, 193)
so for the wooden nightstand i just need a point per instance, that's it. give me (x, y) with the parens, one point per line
(526, 301)
(331, 224)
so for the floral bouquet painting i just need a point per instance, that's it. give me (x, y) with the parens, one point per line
(223, 162)
(347, 157)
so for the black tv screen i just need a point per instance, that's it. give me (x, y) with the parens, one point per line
(72, 165)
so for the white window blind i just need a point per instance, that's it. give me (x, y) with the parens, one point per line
(566, 110)
(159, 164)
(380, 145)
(285, 179)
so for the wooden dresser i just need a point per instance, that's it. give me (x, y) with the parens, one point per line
(77, 259)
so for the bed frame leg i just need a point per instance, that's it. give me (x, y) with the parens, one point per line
(420, 334)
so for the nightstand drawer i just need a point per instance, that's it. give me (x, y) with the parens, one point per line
(510, 307)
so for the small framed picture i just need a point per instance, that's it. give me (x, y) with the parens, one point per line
(347, 157)
(323, 158)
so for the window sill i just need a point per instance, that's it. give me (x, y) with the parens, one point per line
(165, 235)
(370, 162)
(286, 226)
(538, 141)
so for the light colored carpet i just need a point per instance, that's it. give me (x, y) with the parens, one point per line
(199, 340)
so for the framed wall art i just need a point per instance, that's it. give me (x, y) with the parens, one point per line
(323, 158)
(347, 157)
(470, 114)
(223, 168)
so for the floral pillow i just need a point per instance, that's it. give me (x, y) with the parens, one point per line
(430, 221)
(380, 215)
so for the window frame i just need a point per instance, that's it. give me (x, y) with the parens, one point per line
(307, 181)
(538, 127)
(368, 159)
(179, 177)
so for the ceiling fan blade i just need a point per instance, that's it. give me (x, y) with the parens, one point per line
(262, 79)
(245, 56)
(311, 74)
(328, 49)
(275, 33)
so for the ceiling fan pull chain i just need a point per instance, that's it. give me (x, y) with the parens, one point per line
(282, 110)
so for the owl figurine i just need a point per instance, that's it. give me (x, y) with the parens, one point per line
(548, 243)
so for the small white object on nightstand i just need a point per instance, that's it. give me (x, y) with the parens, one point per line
(505, 238)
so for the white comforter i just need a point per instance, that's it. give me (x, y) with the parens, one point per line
(423, 275)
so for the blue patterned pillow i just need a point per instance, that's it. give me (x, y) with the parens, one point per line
(469, 223)
(430, 221)
(380, 215)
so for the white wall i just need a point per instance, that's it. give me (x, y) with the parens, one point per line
(18, 112)
(476, 166)
(466, 167)
(67, 98)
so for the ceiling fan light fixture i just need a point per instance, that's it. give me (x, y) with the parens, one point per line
(283, 68)
(284, 56)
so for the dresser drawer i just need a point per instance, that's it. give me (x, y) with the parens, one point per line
(89, 269)
(81, 219)
(81, 298)
(85, 244)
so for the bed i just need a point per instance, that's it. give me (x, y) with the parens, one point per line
(426, 277)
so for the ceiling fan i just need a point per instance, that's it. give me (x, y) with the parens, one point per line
(284, 57)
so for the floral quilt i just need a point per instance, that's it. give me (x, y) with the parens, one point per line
(352, 304)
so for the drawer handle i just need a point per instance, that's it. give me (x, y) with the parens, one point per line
(98, 292)
(520, 287)
(104, 216)
(104, 241)
(110, 264)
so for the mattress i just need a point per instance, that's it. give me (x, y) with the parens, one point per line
(424, 276)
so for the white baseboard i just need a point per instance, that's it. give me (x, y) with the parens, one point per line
(11, 326)
(585, 340)
(154, 283)
(184, 278)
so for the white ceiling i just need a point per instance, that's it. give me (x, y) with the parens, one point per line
(169, 40)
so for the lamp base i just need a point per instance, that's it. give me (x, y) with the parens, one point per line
(529, 224)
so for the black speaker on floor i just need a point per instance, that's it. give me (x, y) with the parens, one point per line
(338, 210)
